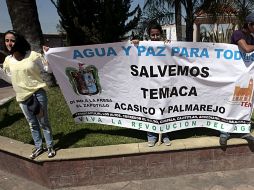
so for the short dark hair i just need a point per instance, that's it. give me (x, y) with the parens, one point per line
(154, 26)
(21, 45)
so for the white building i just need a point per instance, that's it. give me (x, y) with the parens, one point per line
(169, 31)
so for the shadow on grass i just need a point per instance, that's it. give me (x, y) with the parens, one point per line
(194, 132)
(72, 138)
(66, 141)
(252, 124)
(7, 117)
(8, 120)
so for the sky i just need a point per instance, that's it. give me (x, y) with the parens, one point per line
(47, 15)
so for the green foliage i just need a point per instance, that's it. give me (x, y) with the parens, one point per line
(240, 8)
(154, 12)
(190, 8)
(214, 9)
(230, 12)
(90, 22)
(243, 7)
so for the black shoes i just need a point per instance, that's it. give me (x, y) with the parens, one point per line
(51, 152)
(223, 141)
(39, 151)
(249, 138)
(36, 152)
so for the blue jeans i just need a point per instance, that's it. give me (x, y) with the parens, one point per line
(37, 123)
(224, 134)
(153, 136)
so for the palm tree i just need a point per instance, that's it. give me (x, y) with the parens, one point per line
(240, 8)
(243, 7)
(153, 12)
(191, 7)
(177, 14)
(229, 11)
(160, 11)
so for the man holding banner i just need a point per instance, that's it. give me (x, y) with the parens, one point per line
(245, 41)
(156, 34)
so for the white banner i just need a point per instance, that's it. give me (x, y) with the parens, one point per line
(157, 87)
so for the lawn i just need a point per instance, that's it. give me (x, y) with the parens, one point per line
(68, 134)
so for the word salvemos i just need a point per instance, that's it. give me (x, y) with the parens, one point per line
(168, 70)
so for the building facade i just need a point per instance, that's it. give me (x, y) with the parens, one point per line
(169, 31)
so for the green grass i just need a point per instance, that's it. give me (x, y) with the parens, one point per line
(68, 134)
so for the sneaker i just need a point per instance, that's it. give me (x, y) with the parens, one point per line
(249, 138)
(36, 152)
(223, 141)
(51, 152)
(166, 141)
(151, 143)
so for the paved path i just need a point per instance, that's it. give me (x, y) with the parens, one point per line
(6, 94)
(227, 180)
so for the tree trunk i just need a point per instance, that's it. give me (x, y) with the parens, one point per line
(189, 21)
(178, 20)
(189, 31)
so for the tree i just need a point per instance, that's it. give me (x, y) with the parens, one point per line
(178, 19)
(191, 7)
(177, 14)
(154, 12)
(25, 20)
(226, 10)
(243, 8)
(96, 21)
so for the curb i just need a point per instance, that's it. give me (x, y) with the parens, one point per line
(24, 150)
(124, 162)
